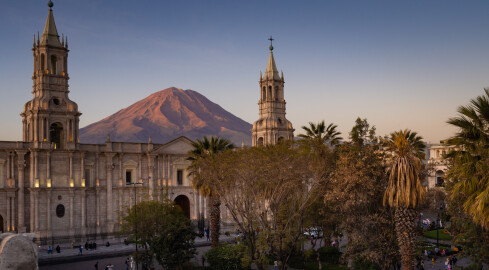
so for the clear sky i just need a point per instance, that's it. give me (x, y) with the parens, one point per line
(400, 64)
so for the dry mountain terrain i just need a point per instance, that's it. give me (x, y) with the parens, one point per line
(166, 115)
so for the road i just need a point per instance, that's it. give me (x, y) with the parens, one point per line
(118, 263)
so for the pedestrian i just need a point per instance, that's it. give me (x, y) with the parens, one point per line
(86, 245)
(58, 249)
(275, 265)
(207, 234)
(96, 265)
(80, 249)
(107, 244)
(127, 263)
(110, 266)
(50, 250)
(94, 245)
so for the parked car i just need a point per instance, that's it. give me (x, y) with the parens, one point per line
(313, 232)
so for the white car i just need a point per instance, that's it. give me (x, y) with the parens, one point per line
(314, 233)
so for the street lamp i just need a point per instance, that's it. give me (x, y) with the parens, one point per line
(135, 216)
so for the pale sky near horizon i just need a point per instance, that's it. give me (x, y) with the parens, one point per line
(400, 64)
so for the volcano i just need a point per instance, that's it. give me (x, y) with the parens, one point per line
(165, 115)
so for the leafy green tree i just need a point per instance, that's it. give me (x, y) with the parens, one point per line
(355, 197)
(468, 177)
(163, 231)
(404, 191)
(224, 257)
(267, 191)
(362, 133)
(203, 149)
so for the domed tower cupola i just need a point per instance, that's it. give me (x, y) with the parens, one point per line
(271, 125)
(50, 119)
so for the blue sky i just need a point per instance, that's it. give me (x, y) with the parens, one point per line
(400, 64)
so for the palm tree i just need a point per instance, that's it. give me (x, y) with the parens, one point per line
(468, 177)
(206, 148)
(321, 134)
(404, 191)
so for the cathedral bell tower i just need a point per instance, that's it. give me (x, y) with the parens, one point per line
(50, 119)
(271, 126)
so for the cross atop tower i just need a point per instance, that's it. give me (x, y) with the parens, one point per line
(271, 41)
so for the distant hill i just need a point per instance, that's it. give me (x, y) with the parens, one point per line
(165, 115)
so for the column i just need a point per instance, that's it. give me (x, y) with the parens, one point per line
(150, 176)
(48, 167)
(20, 197)
(83, 213)
(98, 208)
(109, 167)
(8, 214)
(36, 210)
(196, 215)
(48, 212)
(72, 232)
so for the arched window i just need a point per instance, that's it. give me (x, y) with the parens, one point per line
(264, 93)
(54, 64)
(260, 141)
(42, 62)
(269, 97)
(56, 135)
(276, 92)
(440, 182)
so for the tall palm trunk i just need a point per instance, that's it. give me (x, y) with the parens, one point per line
(215, 216)
(405, 219)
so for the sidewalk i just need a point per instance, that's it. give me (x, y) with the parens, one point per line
(114, 250)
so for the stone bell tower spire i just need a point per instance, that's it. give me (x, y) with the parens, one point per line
(50, 119)
(271, 125)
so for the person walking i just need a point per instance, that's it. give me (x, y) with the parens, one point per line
(58, 249)
(96, 265)
(80, 250)
(275, 265)
(50, 250)
(207, 234)
(127, 263)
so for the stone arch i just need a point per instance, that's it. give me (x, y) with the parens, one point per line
(56, 135)
(184, 204)
(260, 141)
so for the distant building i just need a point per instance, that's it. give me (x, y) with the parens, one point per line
(62, 190)
(271, 126)
(437, 164)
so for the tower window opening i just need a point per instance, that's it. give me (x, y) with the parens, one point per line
(269, 93)
(264, 93)
(54, 64)
(276, 93)
(42, 62)
(56, 135)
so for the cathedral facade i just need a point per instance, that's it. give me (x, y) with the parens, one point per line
(63, 190)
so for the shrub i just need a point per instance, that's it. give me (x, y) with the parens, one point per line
(330, 255)
(365, 265)
(228, 257)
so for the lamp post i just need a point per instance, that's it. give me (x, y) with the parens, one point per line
(135, 216)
